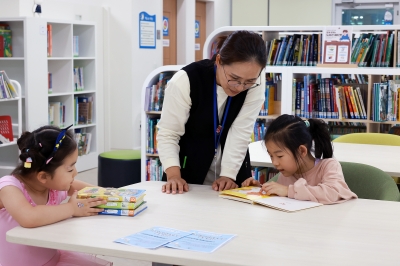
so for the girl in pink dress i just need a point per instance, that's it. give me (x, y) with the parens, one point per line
(31, 197)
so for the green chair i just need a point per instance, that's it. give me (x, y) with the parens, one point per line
(370, 138)
(119, 168)
(367, 182)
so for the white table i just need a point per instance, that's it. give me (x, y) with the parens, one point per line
(386, 158)
(359, 232)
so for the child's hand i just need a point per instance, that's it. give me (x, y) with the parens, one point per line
(84, 207)
(251, 182)
(270, 188)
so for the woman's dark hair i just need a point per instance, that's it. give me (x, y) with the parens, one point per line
(38, 145)
(290, 132)
(242, 46)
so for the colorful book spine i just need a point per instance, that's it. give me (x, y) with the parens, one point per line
(130, 213)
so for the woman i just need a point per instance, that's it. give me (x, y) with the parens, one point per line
(209, 111)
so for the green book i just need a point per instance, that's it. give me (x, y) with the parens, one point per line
(122, 205)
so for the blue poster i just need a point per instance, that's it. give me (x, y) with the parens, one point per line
(165, 26)
(388, 18)
(197, 29)
(147, 31)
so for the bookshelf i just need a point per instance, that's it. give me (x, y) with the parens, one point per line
(9, 152)
(61, 65)
(297, 72)
(31, 64)
(150, 80)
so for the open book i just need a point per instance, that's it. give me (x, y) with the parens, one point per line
(252, 195)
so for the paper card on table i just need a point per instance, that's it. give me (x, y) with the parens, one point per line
(153, 238)
(200, 241)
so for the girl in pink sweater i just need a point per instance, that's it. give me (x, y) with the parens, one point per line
(31, 197)
(302, 176)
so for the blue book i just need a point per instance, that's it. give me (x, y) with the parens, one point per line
(130, 213)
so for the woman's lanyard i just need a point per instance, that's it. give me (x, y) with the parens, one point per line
(218, 129)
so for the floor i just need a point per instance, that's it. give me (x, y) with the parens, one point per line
(90, 177)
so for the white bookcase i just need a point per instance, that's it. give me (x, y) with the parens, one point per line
(290, 72)
(151, 79)
(9, 152)
(30, 66)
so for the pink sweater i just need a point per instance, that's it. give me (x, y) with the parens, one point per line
(324, 183)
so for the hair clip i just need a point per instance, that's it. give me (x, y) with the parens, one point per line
(40, 144)
(307, 123)
(28, 162)
(57, 145)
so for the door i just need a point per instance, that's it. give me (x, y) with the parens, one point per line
(365, 12)
(200, 29)
(169, 32)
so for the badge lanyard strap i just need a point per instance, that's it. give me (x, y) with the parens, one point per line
(217, 135)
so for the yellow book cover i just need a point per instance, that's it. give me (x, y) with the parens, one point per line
(111, 194)
(252, 195)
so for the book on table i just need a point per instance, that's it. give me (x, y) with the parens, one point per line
(112, 194)
(253, 195)
(124, 212)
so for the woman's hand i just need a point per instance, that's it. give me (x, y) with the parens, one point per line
(175, 183)
(224, 183)
(270, 188)
(251, 182)
(84, 207)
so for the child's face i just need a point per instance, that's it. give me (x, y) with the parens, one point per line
(65, 173)
(282, 159)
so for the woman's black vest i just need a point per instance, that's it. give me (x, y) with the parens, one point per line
(197, 143)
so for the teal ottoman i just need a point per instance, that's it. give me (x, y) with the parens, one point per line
(119, 168)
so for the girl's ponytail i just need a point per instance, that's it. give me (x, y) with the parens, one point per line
(319, 131)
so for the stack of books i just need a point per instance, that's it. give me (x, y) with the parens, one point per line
(120, 201)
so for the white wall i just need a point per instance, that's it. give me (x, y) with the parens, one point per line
(219, 14)
(300, 12)
(251, 12)
(12, 9)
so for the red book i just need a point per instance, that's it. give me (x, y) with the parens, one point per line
(6, 127)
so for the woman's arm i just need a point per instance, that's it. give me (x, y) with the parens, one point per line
(176, 107)
(239, 134)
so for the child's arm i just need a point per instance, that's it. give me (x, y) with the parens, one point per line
(78, 185)
(331, 189)
(30, 216)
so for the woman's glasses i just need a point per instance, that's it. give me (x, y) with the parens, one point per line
(236, 84)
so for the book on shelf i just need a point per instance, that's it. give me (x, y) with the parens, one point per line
(49, 40)
(112, 194)
(83, 140)
(50, 82)
(6, 130)
(83, 110)
(154, 97)
(78, 79)
(7, 90)
(125, 212)
(253, 195)
(154, 170)
(57, 114)
(75, 45)
(5, 40)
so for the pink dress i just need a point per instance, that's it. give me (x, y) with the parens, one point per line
(16, 254)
